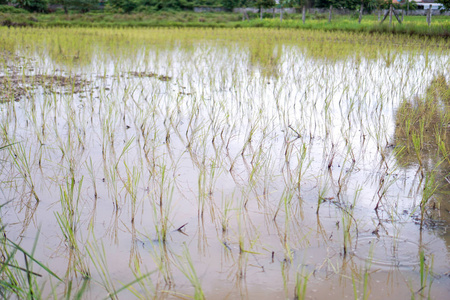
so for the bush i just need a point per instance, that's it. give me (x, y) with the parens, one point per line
(12, 10)
(124, 5)
(33, 5)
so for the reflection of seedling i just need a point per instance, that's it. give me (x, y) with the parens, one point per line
(426, 271)
(429, 188)
(226, 207)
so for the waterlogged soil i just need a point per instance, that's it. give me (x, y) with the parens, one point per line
(15, 86)
(224, 167)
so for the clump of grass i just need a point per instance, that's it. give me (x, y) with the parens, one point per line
(18, 279)
(301, 283)
(421, 127)
(420, 120)
(186, 266)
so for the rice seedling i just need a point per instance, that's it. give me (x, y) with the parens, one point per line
(186, 266)
(22, 162)
(18, 278)
(301, 283)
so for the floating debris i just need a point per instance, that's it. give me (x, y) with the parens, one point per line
(14, 87)
(149, 75)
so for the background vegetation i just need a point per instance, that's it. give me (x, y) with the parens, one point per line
(127, 6)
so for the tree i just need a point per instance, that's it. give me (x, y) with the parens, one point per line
(125, 5)
(169, 4)
(80, 5)
(32, 5)
(265, 4)
(230, 4)
(349, 4)
(446, 4)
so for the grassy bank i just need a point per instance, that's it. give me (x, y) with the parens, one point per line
(412, 25)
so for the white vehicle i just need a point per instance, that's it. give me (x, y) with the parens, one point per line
(434, 6)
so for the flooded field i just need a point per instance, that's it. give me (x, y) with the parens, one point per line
(223, 164)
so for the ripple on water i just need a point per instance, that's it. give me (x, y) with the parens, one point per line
(388, 251)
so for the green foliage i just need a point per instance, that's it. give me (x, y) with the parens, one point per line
(369, 5)
(209, 2)
(7, 9)
(168, 4)
(230, 4)
(79, 5)
(124, 5)
(446, 4)
(247, 3)
(32, 5)
(349, 4)
(265, 3)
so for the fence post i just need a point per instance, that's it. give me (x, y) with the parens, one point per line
(429, 16)
(304, 14)
(361, 12)
(329, 15)
(391, 8)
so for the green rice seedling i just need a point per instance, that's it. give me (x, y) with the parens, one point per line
(79, 293)
(429, 188)
(301, 283)
(186, 266)
(21, 161)
(91, 171)
(426, 274)
(97, 257)
(416, 140)
(69, 218)
(146, 287)
(201, 182)
(322, 191)
(226, 208)
(131, 185)
(365, 279)
(162, 205)
(423, 270)
(346, 224)
(302, 167)
(19, 279)
(161, 256)
(285, 266)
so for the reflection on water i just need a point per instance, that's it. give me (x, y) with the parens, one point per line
(422, 127)
(228, 163)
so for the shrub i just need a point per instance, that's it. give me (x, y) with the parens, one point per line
(12, 10)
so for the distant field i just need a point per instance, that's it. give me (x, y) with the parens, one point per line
(412, 25)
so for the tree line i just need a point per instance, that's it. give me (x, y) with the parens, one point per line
(128, 6)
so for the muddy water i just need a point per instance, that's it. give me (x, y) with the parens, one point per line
(260, 168)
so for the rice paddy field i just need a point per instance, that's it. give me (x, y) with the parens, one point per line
(223, 164)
